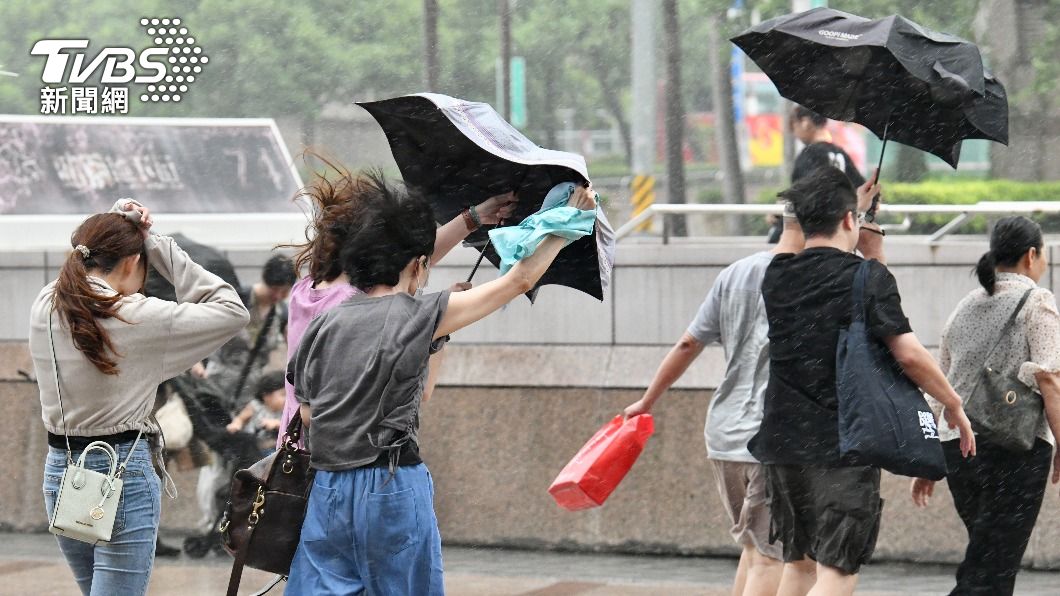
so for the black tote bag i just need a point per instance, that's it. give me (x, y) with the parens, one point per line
(884, 420)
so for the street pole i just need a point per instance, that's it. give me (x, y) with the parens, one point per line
(675, 115)
(430, 44)
(642, 124)
(504, 11)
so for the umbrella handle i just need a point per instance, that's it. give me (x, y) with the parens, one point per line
(483, 252)
(883, 149)
(870, 216)
(479, 261)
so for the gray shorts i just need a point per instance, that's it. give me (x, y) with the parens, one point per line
(743, 492)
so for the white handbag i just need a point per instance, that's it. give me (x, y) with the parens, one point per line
(87, 501)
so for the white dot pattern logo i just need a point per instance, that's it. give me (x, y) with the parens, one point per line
(184, 57)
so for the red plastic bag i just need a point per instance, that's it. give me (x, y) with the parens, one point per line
(602, 463)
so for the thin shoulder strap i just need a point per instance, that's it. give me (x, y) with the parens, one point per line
(58, 391)
(1007, 328)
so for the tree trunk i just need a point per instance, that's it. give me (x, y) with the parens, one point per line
(430, 44)
(675, 115)
(724, 121)
(612, 101)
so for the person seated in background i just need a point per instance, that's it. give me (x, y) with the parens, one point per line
(261, 417)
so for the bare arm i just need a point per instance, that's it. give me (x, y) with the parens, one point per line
(1049, 386)
(476, 304)
(240, 420)
(870, 238)
(434, 367)
(303, 410)
(670, 370)
(490, 211)
(922, 369)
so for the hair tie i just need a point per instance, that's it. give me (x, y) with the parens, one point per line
(81, 248)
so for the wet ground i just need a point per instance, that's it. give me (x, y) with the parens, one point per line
(31, 564)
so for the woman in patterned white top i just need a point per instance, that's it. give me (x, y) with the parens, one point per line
(998, 492)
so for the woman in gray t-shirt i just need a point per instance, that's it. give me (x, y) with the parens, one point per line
(359, 373)
(998, 492)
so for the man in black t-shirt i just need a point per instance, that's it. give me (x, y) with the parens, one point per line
(811, 129)
(821, 507)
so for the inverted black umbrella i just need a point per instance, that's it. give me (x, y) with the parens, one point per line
(902, 81)
(459, 153)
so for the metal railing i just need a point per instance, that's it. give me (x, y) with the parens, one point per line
(961, 213)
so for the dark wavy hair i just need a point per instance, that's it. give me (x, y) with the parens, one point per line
(391, 226)
(109, 237)
(334, 199)
(821, 200)
(1011, 238)
(800, 112)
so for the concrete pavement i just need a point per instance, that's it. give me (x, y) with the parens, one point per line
(31, 564)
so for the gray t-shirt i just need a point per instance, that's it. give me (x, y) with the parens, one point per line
(361, 367)
(734, 315)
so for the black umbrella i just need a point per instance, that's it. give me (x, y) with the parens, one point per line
(902, 81)
(459, 153)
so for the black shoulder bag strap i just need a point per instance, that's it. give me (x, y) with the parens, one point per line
(857, 306)
(1009, 324)
(255, 351)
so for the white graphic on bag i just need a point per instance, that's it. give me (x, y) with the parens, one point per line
(927, 425)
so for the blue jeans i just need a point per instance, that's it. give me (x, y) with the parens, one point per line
(122, 566)
(365, 535)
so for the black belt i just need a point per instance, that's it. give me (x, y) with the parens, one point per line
(79, 443)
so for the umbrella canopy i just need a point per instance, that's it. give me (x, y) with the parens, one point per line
(902, 81)
(459, 153)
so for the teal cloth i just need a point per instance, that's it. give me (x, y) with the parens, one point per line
(515, 243)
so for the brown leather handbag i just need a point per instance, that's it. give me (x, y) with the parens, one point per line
(263, 519)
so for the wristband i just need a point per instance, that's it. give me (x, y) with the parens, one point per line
(469, 221)
(474, 216)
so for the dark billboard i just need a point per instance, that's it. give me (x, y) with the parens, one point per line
(70, 165)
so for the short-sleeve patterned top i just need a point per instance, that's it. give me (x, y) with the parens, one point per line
(972, 331)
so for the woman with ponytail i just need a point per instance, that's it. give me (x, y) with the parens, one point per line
(102, 347)
(998, 492)
(338, 205)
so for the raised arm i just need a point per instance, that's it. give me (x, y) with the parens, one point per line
(475, 304)
(490, 211)
(208, 310)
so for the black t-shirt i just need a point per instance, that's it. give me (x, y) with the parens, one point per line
(808, 300)
(817, 155)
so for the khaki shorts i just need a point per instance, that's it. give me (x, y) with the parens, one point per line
(743, 492)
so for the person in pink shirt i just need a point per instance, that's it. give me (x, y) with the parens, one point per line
(325, 285)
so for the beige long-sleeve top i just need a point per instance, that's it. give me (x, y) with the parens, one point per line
(972, 331)
(160, 340)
